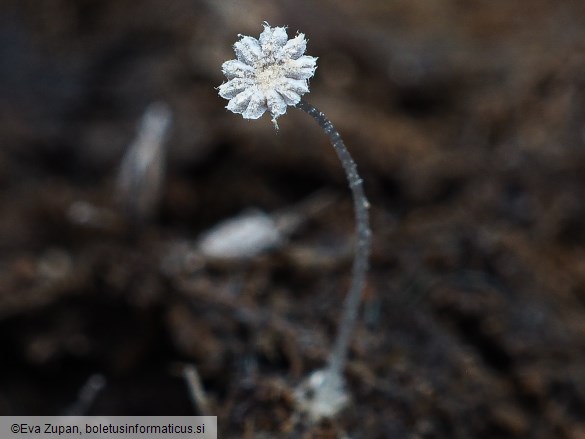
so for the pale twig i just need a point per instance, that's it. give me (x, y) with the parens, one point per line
(196, 391)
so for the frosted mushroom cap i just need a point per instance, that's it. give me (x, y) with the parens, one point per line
(269, 74)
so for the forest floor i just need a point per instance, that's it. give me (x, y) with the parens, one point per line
(468, 126)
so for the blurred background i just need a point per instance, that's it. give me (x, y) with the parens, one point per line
(118, 160)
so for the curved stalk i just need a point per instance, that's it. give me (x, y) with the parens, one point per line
(338, 355)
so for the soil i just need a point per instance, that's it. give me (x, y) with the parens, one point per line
(467, 121)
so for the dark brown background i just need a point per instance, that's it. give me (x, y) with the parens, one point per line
(467, 120)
